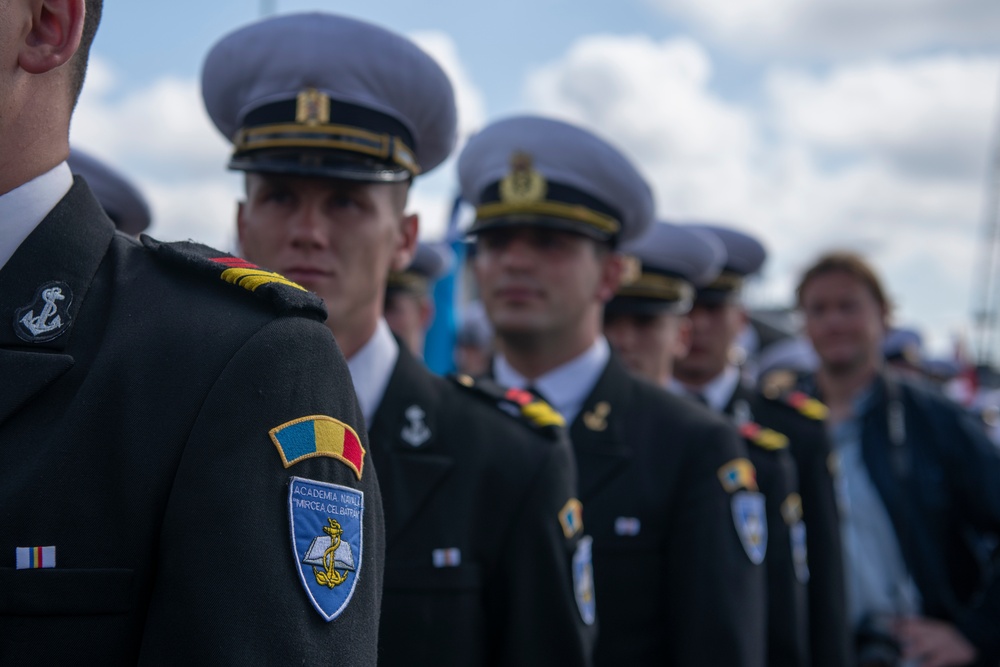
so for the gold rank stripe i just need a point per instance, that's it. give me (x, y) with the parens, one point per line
(575, 212)
(658, 287)
(808, 406)
(251, 279)
(335, 137)
(764, 438)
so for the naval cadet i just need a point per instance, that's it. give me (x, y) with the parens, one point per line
(185, 478)
(409, 306)
(333, 119)
(673, 260)
(119, 197)
(806, 619)
(657, 479)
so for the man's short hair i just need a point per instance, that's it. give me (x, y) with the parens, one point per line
(848, 263)
(91, 19)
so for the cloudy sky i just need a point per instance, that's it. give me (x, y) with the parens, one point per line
(816, 124)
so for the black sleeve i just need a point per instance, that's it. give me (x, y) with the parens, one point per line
(717, 611)
(228, 588)
(533, 591)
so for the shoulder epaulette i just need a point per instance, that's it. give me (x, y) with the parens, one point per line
(764, 438)
(279, 291)
(516, 402)
(806, 405)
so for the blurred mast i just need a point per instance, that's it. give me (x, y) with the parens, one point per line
(985, 280)
(267, 7)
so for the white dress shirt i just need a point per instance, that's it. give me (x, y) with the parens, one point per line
(371, 367)
(24, 207)
(565, 387)
(717, 393)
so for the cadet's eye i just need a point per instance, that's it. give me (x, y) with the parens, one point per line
(277, 196)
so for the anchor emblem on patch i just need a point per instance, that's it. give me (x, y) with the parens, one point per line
(47, 317)
(416, 432)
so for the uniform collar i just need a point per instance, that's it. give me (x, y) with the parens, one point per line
(564, 387)
(371, 367)
(719, 391)
(24, 207)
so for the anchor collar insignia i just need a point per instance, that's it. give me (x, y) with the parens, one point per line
(47, 317)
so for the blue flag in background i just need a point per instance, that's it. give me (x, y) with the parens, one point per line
(439, 345)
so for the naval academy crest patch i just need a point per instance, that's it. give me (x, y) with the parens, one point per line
(326, 522)
(751, 523)
(583, 580)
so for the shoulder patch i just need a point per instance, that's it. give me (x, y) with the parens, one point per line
(319, 435)
(518, 403)
(738, 474)
(764, 438)
(280, 292)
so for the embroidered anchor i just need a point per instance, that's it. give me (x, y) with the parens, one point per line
(329, 576)
(49, 322)
(416, 433)
(597, 419)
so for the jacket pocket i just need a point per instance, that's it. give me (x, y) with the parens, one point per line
(51, 592)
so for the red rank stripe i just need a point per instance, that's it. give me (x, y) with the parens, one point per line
(234, 262)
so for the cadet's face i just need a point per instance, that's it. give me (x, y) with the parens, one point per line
(843, 320)
(538, 281)
(336, 238)
(714, 328)
(406, 314)
(647, 344)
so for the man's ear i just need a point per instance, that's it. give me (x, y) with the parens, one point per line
(407, 248)
(612, 270)
(53, 36)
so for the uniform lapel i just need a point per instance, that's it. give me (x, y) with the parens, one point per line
(64, 251)
(408, 452)
(598, 432)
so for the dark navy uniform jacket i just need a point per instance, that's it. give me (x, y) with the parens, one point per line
(478, 565)
(777, 476)
(674, 585)
(136, 443)
(944, 503)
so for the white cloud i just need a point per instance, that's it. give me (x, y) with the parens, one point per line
(928, 116)
(433, 195)
(841, 27)
(160, 137)
(880, 158)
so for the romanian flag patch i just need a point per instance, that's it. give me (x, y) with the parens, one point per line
(738, 474)
(319, 435)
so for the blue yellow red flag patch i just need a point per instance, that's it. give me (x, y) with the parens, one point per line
(319, 435)
(751, 524)
(571, 517)
(326, 521)
(31, 558)
(738, 474)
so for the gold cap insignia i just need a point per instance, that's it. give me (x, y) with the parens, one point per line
(312, 107)
(524, 184)
(631, 270)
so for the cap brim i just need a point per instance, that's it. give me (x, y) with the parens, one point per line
(325, 168)
(545, 222)
(631, 305)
